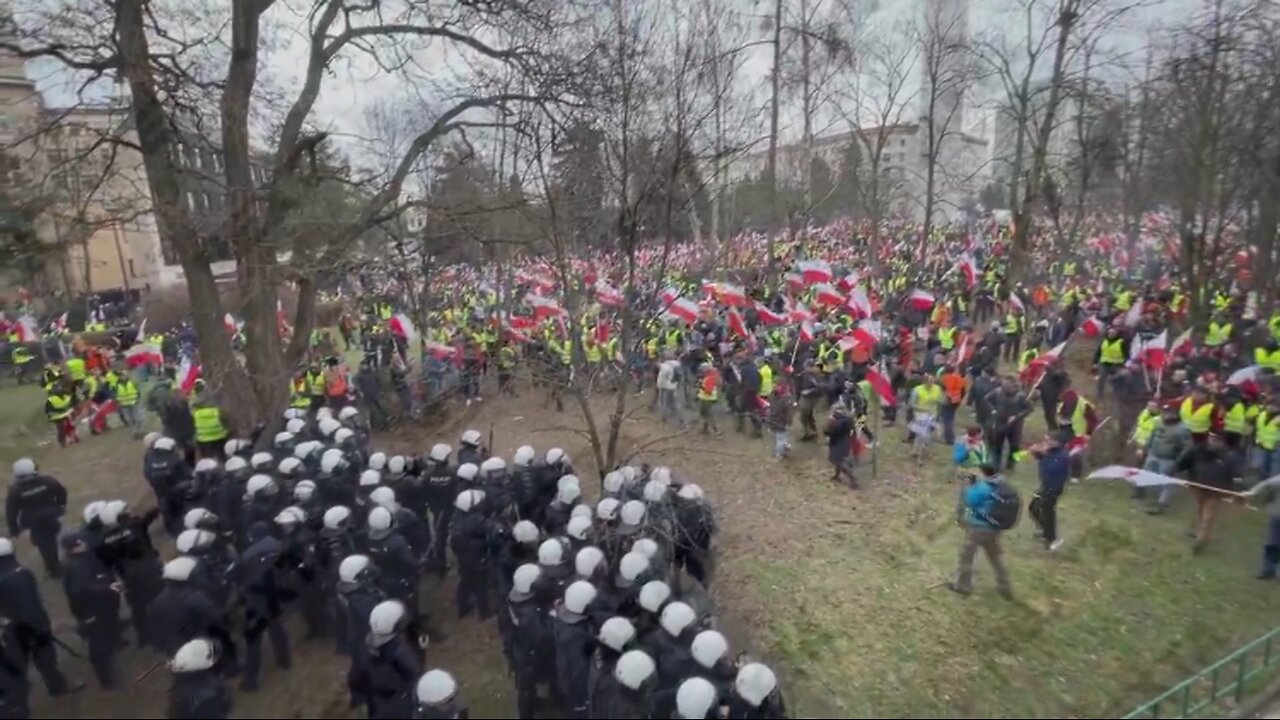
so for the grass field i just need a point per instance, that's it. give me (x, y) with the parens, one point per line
(840, 590)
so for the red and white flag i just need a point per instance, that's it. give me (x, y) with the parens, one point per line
(797, 312)
(795, 281)
(60, 324)
(1244, 374)
(1151, 352)
(968, 268)
(229, 323)
(1134, 316)
(1182, 344)
(26, 329)
(143, 354)
(543, 307)
(880, 383)
(828, 295)
(769, 317)
(1015, 303)
(920, 300)
(1036, 367)
(188, 373)
(858, 304)
(669, 295)
(736, 325)
(1133, 476)
(730, 294)
(806, 331)
(850, 281)
(684, 309)
(814, 271)
(607, 294)
(439, 349)
(1092, 327)
(401, 325)
(869, 332)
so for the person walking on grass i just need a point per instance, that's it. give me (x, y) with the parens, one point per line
(840, 442)
(982, 515)
(1055, 469)
(780, 409)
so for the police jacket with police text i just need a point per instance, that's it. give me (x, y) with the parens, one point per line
(34, 500)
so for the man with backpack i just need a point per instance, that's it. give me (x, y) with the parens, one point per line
(988, 507)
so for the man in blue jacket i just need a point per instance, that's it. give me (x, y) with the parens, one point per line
(980, 533)
(1055, 469)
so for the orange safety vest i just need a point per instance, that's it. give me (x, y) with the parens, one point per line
(336, 383)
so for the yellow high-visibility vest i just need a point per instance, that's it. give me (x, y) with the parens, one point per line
(1268, 429)
(928, 398)
(1112, 352)
(1147, 423)
(1267, 359)
(208, 422)
(126, 392)
(766, 381)
(947, 337)
(1219, 334)
(1199, 420)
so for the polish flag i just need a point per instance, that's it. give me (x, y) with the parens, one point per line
(543, 307)
(229, 323)
(814, 271)
(827, 295)
(806, 331)
(522, 322)
(1182, 344)
(515, 334)
(608, 295)
(401, 325)
(969, 269)
(1244, 374)
(769, 317)
(26, 329)
(880, 383)
(669, 295)
(797, 312)
(921, 300)
(684, 309)
(850, 281)
(60, 323)
(736, 325)
(731, 295)
(1036, 367)
(1134, 476)
(439, 350)
(1092, 327)
(143, 354)
(795, 281)
(868, 332)
(858, 305)
(1152, 352)
(188, 373)
(142, 331)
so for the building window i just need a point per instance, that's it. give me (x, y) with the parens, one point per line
(208, 204)
(191, 201)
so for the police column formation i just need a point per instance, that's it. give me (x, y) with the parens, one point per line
(602, 607)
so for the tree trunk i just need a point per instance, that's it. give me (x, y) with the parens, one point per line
(774, 81)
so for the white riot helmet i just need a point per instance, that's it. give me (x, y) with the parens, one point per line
(613, 482)
(754, 683)
(384, 497)
(567, 494)
(328, 426)
(551, 552)
(296, 425)
(633, 669)
(261, 461)
(331, 460)
(194, 656)
(179, 569)
(524, 456)
(567, 480)
(631, 565)
(440, 452)
(348, 412)
(616, 632)
(470, 438)
(370, 478)
(677, 616)
(629, 474)
(467, 472)
(654, 492)
(556, 455)
(259, 485)
(654, 595)
(436, 687)
(203, 465)
(342, 435)
(165, 443)
(581, 510)
(632, 515)
(150, 439)
(522, 581)
(282, 439)
(93, 510)
(24, 467)
(578, 527)
(587, 561)
(695, 698)
(660, 474)
(336, 517)
(289, 467)
(235, 464)
(235, 446)
(291, 516)
(6, 547)
(111, 512)
(189, 541)
(607, 509)
(324, 413)
(468, 500)
(381, 523)
(493, 466)
(385, 620)
(354, 569)
(377, 461)
(294, 414)
(525, 532)
(690, 492)
(645, 546)
(198, 518)
(303, 491)
(397, 464)
(708, 648)
(578, 596)
(303, 449)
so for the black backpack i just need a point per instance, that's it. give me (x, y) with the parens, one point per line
(1004, 507)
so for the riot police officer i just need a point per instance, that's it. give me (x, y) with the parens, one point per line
(126, 549)
(93, 596)
(37, 503)
(28, 621)
(255, 576)
(197, 691)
